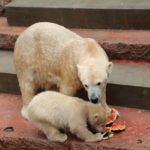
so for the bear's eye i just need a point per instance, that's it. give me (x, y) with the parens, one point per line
(86, 85)
(98, 83)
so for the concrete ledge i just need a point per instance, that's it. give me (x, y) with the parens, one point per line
(128, 96)
(26, 136)
(9, 83)
(128, 84)
(114, 14)
(118, 44)
(129, 73)
(8, 35)
(6, 61)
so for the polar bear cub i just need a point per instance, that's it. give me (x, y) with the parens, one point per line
(51, 111)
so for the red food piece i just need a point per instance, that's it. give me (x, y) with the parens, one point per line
(113, 113)
(117, 127)
(112, 127)
(107, 129)
(111, 118)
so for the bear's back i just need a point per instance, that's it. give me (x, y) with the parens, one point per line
(47, 36)
(55, 107)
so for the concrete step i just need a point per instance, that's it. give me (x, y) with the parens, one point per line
(8, 79)
(129, 83)
(113, 14)
(26, 136)
(8, 35)
(3, 4)
(118, 44)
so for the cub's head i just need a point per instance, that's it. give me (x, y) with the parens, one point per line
(97, 117)
(94, 79)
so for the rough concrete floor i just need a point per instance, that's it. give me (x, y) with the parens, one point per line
(25, 136)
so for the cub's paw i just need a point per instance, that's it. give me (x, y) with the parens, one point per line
(100, 136)
(94, 138)
(63, 138)
(58, 138)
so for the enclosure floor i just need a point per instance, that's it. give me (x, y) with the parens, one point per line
(27, 136)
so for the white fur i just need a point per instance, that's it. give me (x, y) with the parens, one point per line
(51, 57)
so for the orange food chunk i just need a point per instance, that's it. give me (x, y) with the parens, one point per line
(118, 127)
(107, 129)
(111, 118)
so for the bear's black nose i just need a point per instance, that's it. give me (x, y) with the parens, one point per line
(94, 100)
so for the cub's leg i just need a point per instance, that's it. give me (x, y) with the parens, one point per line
(83, 133)
(52, 133)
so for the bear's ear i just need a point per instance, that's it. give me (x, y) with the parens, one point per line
(109, 68)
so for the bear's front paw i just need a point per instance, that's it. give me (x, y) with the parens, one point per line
(117, 114)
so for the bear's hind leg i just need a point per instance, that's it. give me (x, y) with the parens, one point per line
(27, 95)
(27, 91)
(26, 78)
(51, 132)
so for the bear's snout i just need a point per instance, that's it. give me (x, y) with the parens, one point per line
(94, 100)
(94, 94)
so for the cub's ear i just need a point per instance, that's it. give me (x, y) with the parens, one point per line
(109, 68)
(96, 116)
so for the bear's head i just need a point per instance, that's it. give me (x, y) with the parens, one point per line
(94, 78)
(94, 69)
(97, 116)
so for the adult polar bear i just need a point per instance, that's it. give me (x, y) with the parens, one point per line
(47, 54)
